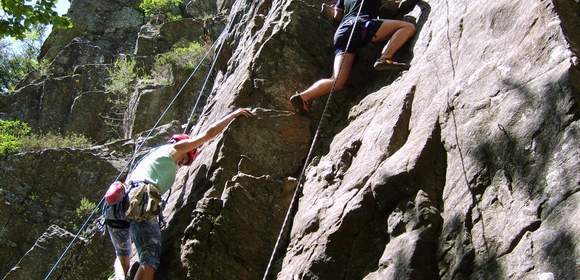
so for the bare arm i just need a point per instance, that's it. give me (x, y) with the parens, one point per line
(214, 130)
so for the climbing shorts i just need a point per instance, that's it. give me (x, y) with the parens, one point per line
(146, 235)
(365, 29)
(121, 240)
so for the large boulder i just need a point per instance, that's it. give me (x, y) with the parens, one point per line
(24, 104)
(232, 240)
(70, 98)
(483, 123)
(73, 103)
(57, 98)
(38, 189)
(58, 95)
(77, 53)
(86, 116)
(201, 8)
(153, 39)
(413, 229)
(111, 24)
(151, 99)
(93, 77)
(89, 257)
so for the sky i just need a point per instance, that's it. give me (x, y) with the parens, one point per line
(62, 6)
(61, 9)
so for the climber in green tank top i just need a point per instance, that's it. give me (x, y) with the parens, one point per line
(158, 169)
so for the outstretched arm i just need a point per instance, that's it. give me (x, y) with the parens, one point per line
(214, 130)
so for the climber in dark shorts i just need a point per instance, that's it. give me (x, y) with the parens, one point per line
(368, 28)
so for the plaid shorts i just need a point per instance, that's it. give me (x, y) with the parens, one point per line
(121, 240)
(147, 238)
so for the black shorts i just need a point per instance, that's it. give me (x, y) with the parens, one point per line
(364, 31)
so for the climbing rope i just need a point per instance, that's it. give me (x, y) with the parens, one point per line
(207, 78)
(133, 157)
(294, 201)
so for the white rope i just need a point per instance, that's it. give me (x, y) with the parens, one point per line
(216, 56)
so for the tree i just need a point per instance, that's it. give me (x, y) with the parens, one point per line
(19, 59)
(19, 16)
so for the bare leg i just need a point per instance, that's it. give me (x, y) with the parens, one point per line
(121, 267)
(323, 86)
(145, 272)
(398, 31)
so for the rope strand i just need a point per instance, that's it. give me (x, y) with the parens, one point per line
(209, 72)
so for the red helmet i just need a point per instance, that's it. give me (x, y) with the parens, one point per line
(191, 155)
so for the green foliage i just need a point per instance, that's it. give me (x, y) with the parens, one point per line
(182, 57)
(18, 16)
(161, 8)
(43, 67)
(15, 136)
(109, 275)
(16, 128)
(33, 196)
(54, 141)
(11, 133)
(73, 227)
(123, 77)
(19, 58)
(85, 208)
(185, 57)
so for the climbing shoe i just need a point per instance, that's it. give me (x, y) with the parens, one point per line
(387, 64)
(300, 106)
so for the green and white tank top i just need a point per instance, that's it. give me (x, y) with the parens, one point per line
(158, 167)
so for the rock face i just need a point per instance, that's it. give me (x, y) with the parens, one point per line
(38, 189)
(71, 98)
(481, 125)
(466, 166)
(74, 74)
(38, 261)
(110, 25)
(44, 189)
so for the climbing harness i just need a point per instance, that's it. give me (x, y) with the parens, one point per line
(133, 157)
(144, 202)
(294, 201)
